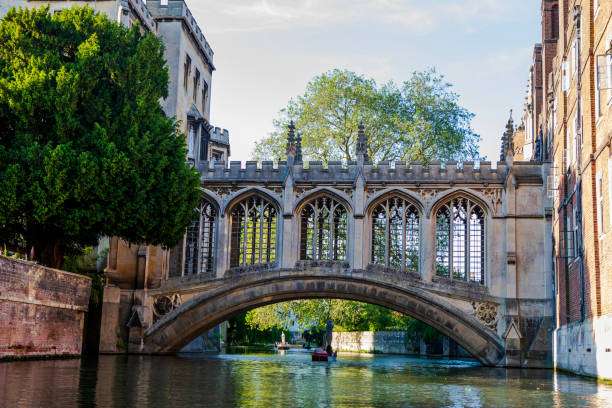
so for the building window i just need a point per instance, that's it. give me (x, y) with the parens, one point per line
(204, 97)
(609, 75)
(460, 241)
(200, 241)
(253, 239)
(597, 93)
(323, 231)
(575, 150)
(191, 140)
(396, 235)
(600, 201)
(610, 190)
(196, 84)
(575, 62)
(565, 76)
(187, 70)
(216, 156)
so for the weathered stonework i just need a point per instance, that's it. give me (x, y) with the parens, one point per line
(512, 301)
(42, 310)
(394, 342)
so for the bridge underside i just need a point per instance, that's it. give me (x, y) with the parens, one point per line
(179, 327)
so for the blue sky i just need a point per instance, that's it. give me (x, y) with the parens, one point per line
(267, 50)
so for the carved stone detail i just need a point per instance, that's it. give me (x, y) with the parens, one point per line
(487, 313)
(495, 197)
(224, 192)
(164, 304)
(300, 191)
(372, 190)
(427, 194)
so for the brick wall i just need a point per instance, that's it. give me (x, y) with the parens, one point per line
(42, 310)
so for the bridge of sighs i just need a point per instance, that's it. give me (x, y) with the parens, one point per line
(462, 247)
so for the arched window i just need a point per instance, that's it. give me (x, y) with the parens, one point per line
(396, 234)
(253, 240)
(200, 241)
(460, 240)
(323, 230)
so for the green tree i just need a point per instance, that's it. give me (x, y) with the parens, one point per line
(420, 120)
(85, 148)
(313, 313)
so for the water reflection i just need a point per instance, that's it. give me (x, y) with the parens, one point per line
(271, 380)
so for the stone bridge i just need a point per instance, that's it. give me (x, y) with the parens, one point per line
(461, 247)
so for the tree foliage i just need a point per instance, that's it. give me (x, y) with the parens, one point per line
(421, 120)
(239, 332)
(85, 148)
(313, 314)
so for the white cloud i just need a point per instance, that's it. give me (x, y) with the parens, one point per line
(417, 16)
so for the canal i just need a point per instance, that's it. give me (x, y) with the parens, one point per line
(290, 380)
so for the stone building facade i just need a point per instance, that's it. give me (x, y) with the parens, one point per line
(189, 57)
(573, 127)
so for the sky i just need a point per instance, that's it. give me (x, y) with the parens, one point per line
(266, 51)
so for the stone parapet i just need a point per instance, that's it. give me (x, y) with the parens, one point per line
(383, 172)
(42, 310)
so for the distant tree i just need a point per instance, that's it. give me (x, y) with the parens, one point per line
(313, 313)
(419, 121)
(85, 148)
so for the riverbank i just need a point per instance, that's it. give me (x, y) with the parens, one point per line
(396, 342)
(42, 310)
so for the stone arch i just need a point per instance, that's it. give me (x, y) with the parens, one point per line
(319, 191)
(179, 327)
(380, 196)
(246, 192)
(447, 195)
(212, 198)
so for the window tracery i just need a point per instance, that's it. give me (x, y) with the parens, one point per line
(253, 236)
(200, 241)
(396, 234)
(323, 230)
(460, 240)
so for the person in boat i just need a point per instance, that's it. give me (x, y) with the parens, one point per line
(320, 349)
(331, 352)
(329, 331)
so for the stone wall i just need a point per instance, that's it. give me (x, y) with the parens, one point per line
(42, 310)
(585, 347)
(394, 342)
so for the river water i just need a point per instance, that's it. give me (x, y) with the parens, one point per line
(291, 380)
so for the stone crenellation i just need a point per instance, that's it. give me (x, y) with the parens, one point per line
(178, 9)
(392, 172)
